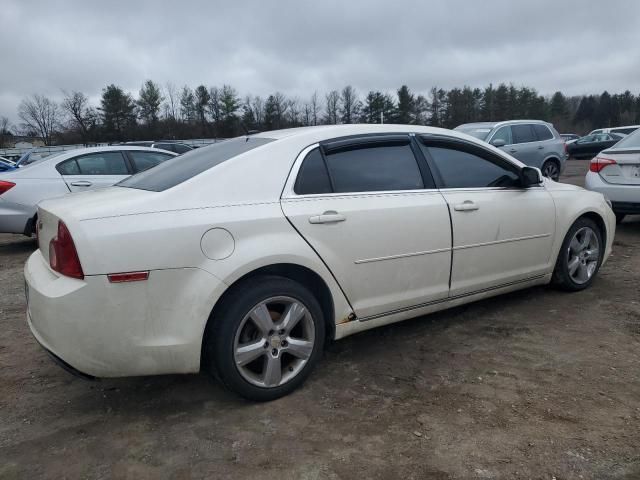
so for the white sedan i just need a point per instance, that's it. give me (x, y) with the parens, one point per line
(244, 257)
(71, 171)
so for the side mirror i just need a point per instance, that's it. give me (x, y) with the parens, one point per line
(530, 176)
(498, 142)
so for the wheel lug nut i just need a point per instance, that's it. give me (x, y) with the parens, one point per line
(285, 343)
(271, 332)
(281, 332)
(266, 344)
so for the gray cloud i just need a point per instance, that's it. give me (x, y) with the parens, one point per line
(300, 46)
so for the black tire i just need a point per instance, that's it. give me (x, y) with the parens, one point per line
(561, 275)
(620, 217)
(555, 176)
(220, 335)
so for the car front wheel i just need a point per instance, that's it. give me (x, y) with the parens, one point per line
(267, 339)
(580, 256)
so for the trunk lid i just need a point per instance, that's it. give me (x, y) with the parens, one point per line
(626, 170)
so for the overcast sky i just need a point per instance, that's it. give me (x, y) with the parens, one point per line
(297, 47)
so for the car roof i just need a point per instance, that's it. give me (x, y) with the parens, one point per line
(501, 123)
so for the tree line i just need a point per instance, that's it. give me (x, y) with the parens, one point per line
(169, 112)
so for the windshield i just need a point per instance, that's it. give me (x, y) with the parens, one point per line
(178, 169)
(475, 131)
(630, 141)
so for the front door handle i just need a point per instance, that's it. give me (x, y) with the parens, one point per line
(330, 216)
(81, 183)
(466, 206)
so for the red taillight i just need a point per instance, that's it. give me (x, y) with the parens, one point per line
(4, 186)
(63, 256)
(599, 163)
(127, 277)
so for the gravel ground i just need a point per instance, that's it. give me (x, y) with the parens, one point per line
(534, 384)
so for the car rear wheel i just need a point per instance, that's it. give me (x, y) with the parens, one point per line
(551, 169)
(580, 256)
(267, 339)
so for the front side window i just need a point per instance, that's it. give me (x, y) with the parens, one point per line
(542, 132)
(462, 169)
(503, 133)
(523, 133)
(145, 160)
(365, 168)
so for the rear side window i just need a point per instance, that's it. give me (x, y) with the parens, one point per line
(523, 133)
(365, 168)
(145, 160)
(542, 132)
(179, 169)
(181, 148)
(164, 146)
(313, 177)
(103, 163)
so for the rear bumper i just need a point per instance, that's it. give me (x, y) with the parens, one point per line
(621, 196)
(113, 330)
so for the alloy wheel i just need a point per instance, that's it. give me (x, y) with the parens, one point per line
(274, 341)
(583, 255)
(551, 170)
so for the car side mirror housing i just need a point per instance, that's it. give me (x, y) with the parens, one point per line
(530, 176)
(498, 142)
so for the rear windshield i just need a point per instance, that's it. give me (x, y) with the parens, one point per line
(479, 132)
(178, 169)
(630, 141)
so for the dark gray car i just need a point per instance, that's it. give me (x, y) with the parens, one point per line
(533, 142)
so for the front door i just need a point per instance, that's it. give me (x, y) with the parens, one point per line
(502, 233)
(371, 212)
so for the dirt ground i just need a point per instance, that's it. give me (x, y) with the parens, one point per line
(534, 384)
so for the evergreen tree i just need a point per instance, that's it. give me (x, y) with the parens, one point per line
(117, 112)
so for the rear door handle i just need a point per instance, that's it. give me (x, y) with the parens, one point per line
(81, 183)
(330, 216)
(466, 206)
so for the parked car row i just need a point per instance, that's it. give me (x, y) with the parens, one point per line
(243, 257)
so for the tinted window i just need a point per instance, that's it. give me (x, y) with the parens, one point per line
(164, 146)
(371, 169)
(542, 132)
(145, 160)
(70, 167)
(523, 134)
(313, 177)
(181, 148)
(503, 133)
(178, 169)
(460, 169)
(105, 163)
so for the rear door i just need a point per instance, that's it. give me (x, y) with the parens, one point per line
(94, 170)
(368, 206)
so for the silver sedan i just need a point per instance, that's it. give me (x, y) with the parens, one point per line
(72, 171)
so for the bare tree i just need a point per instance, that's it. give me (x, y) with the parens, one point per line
(171, 104)
(350, 108)
(40, 114)
(4, 130)
(332, 108)
(315, 108)
(81, 115)
(257, 105)
(293, 112)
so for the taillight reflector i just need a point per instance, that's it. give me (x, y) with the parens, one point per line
(63, 256)
(5, 186)
(127, 277)
(598, 163)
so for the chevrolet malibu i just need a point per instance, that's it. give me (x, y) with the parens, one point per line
(243, 258)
